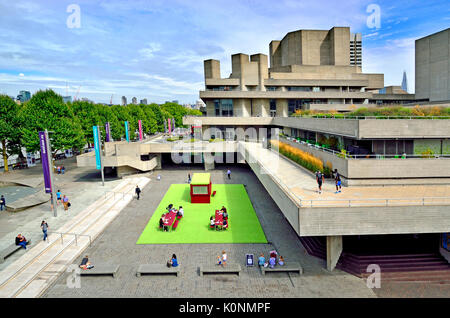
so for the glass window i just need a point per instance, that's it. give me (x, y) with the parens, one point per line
(200, 189)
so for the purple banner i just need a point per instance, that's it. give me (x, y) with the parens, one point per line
(108, 132)
(170, 127)
(140, 129)
(45, 163)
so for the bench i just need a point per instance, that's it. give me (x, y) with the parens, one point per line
(175, 225)
(219, 269)
(100, 270)
(7, 252)
(157, 269)
(287, 267)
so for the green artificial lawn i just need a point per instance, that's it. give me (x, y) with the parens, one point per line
(244, 226)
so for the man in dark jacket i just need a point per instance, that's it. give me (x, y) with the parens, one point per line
(137, 191)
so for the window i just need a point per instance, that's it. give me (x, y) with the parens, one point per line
(200, 189)
(271, 88)
(299, 88)
(273, 107)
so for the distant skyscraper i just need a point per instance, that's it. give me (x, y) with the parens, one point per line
(67, 99)
(124, 101)
(355, 49)
(24, 96)
(134, 100)
(144, 101)
(404, 82)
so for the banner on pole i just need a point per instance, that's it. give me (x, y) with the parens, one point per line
(140, 129)
(45, 163)
(173, 124)
(108, 132)
(170, 126)
(97, 148)
(126, 131)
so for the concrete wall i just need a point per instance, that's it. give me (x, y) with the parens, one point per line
(347, 127)
(374, 220)
(432, 66)
(404, 128)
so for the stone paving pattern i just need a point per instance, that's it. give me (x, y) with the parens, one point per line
(117, 245)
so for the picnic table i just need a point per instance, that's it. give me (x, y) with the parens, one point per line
(218, 220)
(169, 218)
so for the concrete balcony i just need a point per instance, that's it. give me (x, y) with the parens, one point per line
(283, 95)
(227, 121)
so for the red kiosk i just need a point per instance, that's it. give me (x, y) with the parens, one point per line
(201, 188)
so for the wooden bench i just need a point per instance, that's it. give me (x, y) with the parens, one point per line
(287, 267)
(100, 270)
(157, 269)
(219, 269)
(7, 252)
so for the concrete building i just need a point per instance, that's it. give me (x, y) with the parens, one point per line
(356, 49)
(134, 100)
(432, 60)
(143, 101)
(124, 101)
(309, 69)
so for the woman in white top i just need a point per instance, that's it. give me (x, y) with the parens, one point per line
(181, 211)
(224, 258)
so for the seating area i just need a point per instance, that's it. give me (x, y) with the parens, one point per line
(7, 252)
(154, 269)
(102, 269)
(287, 267)
(219, 221)
(169, 220)
(215, 269)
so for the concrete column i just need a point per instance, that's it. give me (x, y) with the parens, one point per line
(209, 161)
(334, 250)
(282, 108)
(158, 161)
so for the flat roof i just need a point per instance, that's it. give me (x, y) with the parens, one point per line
(201, 178)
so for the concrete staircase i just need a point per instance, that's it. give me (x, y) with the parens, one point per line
(420, 267)
(35, 271)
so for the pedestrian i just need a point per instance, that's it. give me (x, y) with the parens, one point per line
(44, 227)
(58, 170)
(58, 197)
(189, 177)
(63, 169)
(66, 203)
(229, 174)
(224, 258)
(337, 179)
(2, 203)
(320, 178)
(137, 191)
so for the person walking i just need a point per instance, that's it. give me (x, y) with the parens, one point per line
(137, 191)
(229, 174)
(58, 197)
(320, 178)
(44, 227)
(2, 203)
(189, 177)
(66, 203)
(337, 179)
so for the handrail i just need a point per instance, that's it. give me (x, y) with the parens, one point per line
(117, 192)
(60, 233)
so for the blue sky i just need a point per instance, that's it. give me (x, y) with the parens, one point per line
(155, 49)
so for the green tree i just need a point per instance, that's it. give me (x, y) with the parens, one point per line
(87, 114)
(9, 128)
(46, 110)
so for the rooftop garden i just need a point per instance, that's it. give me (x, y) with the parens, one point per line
(416, 112)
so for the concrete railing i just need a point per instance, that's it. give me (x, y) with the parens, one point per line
(385, 202)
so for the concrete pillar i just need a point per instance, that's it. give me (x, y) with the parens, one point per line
(158, 161)
(334, 250)
(282, 108)
(209, 161)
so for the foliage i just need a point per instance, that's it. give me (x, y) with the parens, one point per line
(9, 128)
(46, 110)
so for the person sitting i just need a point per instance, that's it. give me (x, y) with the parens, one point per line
(225, 224)
(161, 223)
(272, 262)
(212, 222)
(85, 264)
(261, 260)
(180, 212)
(223, 209)
(225, 215)
(274, 254)
(22, 241)
(281, 261)
(169, 208)
(174, 261)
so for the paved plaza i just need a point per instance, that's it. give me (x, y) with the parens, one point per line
(117, 245)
